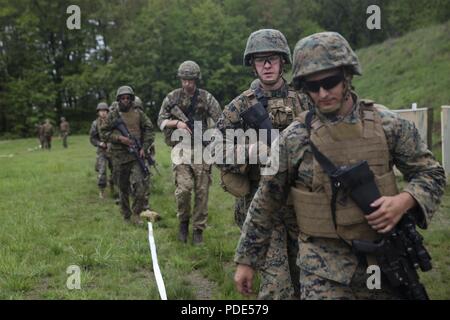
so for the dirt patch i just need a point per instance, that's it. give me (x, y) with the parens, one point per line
(36, 292)
(203, 288)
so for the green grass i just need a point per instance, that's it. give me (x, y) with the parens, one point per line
(52, 218)
(412, 68)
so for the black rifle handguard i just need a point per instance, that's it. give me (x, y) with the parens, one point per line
(359, 180)
(257, 117)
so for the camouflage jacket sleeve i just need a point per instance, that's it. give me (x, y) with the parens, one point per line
(214, 110)
(257, 229)
(424, 175)
(148, 134)
(231, 119)
(164, 113)
(107, 132)
(94, 136)
(305, 102)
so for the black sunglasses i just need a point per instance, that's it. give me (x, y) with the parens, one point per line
(326, 83)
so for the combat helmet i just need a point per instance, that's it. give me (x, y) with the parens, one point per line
(102, 106)
(323, 51)
(138, 102)
(189, 70)
(125, 90)
(266, 40)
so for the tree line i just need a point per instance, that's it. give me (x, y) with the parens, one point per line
(49, 71)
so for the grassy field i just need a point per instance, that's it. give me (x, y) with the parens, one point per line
(52, 218)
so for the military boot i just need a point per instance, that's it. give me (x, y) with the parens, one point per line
(136, 219)
(183, 231)
(112, 191)
(197, 237)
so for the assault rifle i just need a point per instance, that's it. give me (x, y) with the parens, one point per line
(134, 149)
(399, 253)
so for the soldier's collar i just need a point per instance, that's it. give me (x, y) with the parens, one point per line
(282, 92)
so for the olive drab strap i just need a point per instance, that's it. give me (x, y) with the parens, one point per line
(255, 96)
(327, 166)
(191, 108)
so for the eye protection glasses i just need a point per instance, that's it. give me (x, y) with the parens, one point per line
(326, 83)
(261, 61)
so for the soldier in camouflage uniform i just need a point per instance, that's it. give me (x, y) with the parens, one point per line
(47, 133)
(130, 175)
(140, 105)
(64, 129)
(104, 160)
(177, 110)
(347, 130)
(40, 134)
(267, 52)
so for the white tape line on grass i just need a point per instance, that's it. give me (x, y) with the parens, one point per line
(156, 270)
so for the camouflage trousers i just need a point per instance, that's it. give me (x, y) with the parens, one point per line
(188, 178)
(64, 138)
(131, 178)
(103, 162)
(314, 287)
(280, 274)
(242, 204)
(41, 141)
(47, 142)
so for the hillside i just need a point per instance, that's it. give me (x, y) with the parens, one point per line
(413, 68)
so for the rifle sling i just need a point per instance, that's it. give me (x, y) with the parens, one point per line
(328, 166)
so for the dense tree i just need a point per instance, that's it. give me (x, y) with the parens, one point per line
(47, 70)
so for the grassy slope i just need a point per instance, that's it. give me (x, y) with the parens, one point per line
(413, 68)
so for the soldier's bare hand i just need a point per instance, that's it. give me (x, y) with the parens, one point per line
(183, 125)
(390, 211)
(243, 279)
(142, 153)
(125, 141)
